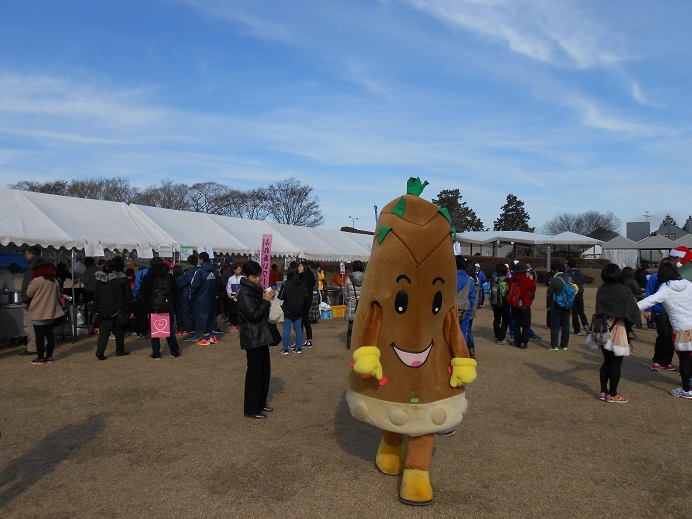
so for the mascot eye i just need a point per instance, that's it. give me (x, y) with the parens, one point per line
(437, 302)
(401, 302)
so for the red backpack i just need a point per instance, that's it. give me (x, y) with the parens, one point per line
(514, 295)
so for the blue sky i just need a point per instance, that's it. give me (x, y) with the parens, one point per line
(570, 105)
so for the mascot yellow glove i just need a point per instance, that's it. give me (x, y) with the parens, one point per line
(367, 362)
(463, 371)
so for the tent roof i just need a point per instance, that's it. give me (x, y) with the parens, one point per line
(311, 245)
(344, 242)
(191, 229)
(620, 242)
(657, 241)
(249, 232)
(60, 221)
(531, 238)
(685, 241)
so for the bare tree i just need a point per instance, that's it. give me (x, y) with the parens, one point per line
(208, 197)
(294, 204)
(252, 204)
(57, 187)
(168, 195)
(583, 223)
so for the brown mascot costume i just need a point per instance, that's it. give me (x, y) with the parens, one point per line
(411, 363)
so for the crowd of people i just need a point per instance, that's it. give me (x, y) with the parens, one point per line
(161, 300)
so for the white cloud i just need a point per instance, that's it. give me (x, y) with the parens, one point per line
(593, 117)
(257, 27)
(549, 31)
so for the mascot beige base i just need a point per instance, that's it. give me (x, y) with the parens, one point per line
(411, 363)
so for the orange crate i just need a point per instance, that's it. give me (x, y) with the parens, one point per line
(338, 311)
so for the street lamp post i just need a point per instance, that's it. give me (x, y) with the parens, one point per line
(353, 221)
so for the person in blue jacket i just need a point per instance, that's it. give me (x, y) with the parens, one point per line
(204, 289)
(186, 303)
(462, 279)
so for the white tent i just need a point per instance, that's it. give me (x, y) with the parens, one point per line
(312, 246)
(59, 221)
(249, 232)
(621, 251)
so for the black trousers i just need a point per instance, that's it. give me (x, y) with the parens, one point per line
(578, 314)
(44, 331)
(610, 372)
(522, 324)
(106, 326)
(663, 348)
(685, 369)
(500, 322)
(257, 379)
(559, 321)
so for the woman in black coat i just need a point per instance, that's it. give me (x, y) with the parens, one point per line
(113, 304)
(255, 337)
(308, 279)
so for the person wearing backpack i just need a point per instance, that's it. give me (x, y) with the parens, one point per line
(521, 287)
(559, 314)
(578, 313)
(498, 302)
(158, 293)
(465, 298)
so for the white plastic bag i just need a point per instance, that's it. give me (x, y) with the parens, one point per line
(276, 313)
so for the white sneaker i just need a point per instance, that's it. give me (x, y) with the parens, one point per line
(681, 393)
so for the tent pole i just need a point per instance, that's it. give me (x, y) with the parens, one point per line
(547, 261)
(73, 313)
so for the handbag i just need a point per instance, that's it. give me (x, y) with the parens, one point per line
(122, 318)
(276, 313)
(160, 325)
(276, 335)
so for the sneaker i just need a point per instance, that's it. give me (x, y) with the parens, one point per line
(523, 346)
(308, 344)
(500, 342)
(203, 342)
(233, 329)
(669, 367)
(38, 362)
(655, 367)
(553, 348)
(213, 340)
(603, 396)
(621, 399)
(219, 331)
(587, 328)
(111, 336)
(191, 338)
(151, 356)
(48, 360)
(292, 347)
(299, 352)
(578, 334)
(175, 355)
(447, 432)
(284, 352)
(681, 393)
(537, 337)
(180, 332)
(564, 349)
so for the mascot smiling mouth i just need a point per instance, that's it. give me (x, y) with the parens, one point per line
(411, 359)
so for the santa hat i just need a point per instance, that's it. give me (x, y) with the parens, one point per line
(683, 254)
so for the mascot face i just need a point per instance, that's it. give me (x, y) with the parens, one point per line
(407, 306)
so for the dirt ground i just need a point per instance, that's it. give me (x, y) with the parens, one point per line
(132, 437)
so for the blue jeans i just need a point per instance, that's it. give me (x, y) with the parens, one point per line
(470, 343)
(297, 325)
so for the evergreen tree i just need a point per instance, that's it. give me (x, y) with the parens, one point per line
(463, 217)
(668, 220)
(513, 216)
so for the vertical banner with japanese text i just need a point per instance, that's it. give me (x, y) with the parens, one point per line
(266, 258)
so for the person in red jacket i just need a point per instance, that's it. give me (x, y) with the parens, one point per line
(521, 308)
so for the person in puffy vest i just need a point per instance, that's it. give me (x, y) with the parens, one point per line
(158, 293)
(352, 290)
(204, 289)
(113, 302)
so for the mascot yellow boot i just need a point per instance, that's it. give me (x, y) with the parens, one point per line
(411, 363)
